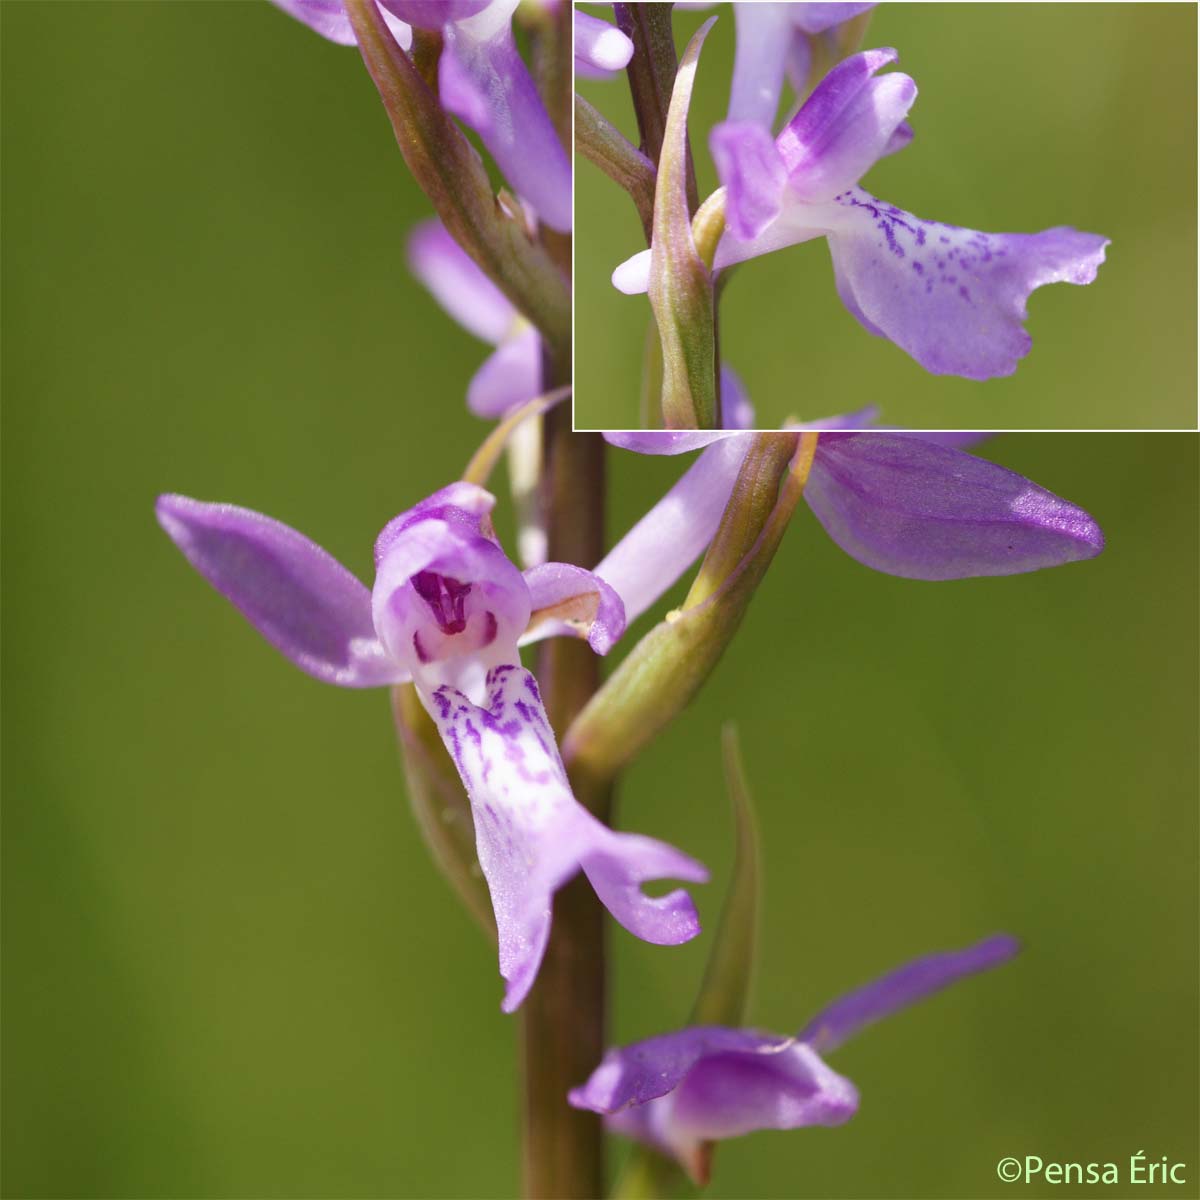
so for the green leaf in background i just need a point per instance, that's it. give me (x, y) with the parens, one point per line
(725, 991)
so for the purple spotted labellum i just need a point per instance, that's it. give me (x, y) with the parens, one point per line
(682, 1091)
(447, 612)
(513, 373)
(908, 504)
(482, 80)
(952, 298)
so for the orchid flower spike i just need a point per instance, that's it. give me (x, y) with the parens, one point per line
(482, 80)
(513, 373)
(910, 504)
(952, 298)
(682, 1091)
(447, 611)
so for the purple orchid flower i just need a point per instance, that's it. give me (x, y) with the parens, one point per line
(952, 298)
(601, 49)
(483, 81)
(681, 1091)
(910, 504)
(447, 612)
(511, 375)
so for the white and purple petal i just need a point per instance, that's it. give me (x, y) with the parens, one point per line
(572, 600)
(764, 36)
(731, 1094)
(708, 1083)
(300, 598)
(845, 126)
(636, 1074)
(532, 835)
(909, 507)
(753, 174)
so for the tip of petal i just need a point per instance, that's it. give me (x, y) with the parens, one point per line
(880, 57)
(519, 982)
(618, 868)
(633, 275)
(177, 513)
(611, 49)
(1089, 265)
(998, 948)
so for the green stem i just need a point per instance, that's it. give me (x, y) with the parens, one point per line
(606, 147)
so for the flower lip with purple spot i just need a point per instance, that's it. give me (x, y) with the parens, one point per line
(446, 613)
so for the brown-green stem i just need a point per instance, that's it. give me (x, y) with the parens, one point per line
(606, 147)
(651, 74)
(564, 1019)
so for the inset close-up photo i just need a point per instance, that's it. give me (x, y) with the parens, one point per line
(852, 214)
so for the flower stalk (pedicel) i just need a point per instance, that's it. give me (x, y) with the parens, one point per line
(604, 145)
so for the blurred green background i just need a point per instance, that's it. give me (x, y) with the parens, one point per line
(1029, 116)
(230, 969)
